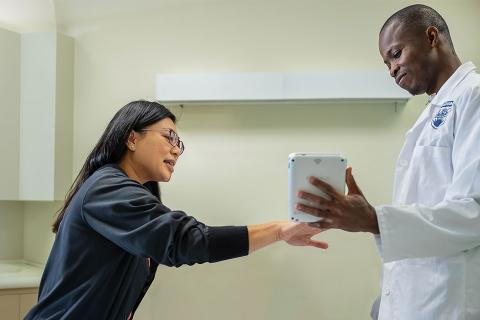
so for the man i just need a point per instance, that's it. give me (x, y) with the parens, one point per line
(429, 238)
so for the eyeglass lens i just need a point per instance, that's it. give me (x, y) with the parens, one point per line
(175, 141)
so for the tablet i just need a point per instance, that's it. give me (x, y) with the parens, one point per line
(326, 167)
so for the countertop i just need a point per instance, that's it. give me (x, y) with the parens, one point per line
(19, 274)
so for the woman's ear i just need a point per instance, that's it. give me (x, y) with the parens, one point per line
(131, 141)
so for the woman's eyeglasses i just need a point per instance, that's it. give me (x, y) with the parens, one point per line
(173, 138)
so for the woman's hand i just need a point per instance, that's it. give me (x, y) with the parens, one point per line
(300, 234)
(295, 234)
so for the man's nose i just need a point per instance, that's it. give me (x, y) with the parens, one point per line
(393, 70)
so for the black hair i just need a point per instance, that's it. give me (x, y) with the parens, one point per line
(111, 147)
(417, 18)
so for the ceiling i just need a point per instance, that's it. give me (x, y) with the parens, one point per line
(27, 15)
(49, 15)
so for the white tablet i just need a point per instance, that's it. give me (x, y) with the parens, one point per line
(326, 167)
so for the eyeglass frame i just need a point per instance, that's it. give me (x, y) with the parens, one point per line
(173, 138)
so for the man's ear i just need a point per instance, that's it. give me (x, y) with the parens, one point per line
(432, 36)
(131, 141)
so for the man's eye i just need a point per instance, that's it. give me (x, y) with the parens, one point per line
(397, 54)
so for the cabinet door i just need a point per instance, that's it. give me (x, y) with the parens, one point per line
(27, 301)
(9, 307)
(10, 114)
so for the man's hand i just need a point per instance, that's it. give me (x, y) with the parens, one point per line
(350, 212)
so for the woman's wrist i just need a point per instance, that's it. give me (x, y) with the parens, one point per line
(280, 236)
(262, 235)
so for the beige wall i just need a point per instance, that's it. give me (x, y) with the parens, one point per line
(11, 230)
(234, 168)
(38, 237)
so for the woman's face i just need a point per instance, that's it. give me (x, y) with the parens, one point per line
(153, 157)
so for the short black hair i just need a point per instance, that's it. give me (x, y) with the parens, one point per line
(418, 18)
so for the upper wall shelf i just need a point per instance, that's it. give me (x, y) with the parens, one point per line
(368, 86)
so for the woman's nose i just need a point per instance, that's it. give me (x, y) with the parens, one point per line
(175, 151)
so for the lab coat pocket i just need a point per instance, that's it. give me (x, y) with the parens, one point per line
(416, 280)
(431, 284)
(434, 172)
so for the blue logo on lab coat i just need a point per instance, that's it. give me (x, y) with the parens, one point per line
(442, 114)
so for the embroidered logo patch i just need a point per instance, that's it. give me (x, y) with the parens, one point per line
(442, 114)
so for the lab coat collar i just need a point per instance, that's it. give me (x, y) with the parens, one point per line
(452, 82)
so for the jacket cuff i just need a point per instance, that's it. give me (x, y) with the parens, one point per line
(227, 243)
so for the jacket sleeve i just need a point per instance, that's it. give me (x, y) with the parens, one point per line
(453, 225)
(127, 214)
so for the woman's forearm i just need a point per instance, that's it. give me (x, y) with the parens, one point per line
(262, 235)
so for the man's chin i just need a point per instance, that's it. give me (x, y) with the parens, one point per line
(411, 88)
(415, 91)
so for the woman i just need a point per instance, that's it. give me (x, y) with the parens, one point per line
(113, 230)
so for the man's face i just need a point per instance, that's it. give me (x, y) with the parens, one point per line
(407, 57)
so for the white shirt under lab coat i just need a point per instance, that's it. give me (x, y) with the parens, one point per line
(430, 236)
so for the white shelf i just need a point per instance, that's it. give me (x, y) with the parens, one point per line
(359, 86)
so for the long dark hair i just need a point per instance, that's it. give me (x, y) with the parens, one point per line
(112, 145)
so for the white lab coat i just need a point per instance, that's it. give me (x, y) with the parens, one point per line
(430, 236)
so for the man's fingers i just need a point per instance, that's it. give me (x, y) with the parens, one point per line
(325, 187)
(351, 183)
(323, 224)
(313, 211)
(313, 198)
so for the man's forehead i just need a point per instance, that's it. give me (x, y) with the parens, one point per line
(395, 33)
(394, 29)
(389, 37)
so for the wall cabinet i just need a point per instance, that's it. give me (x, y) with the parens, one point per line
(38, 111)
(9, 113)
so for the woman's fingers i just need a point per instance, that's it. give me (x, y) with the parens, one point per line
(318, 244)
